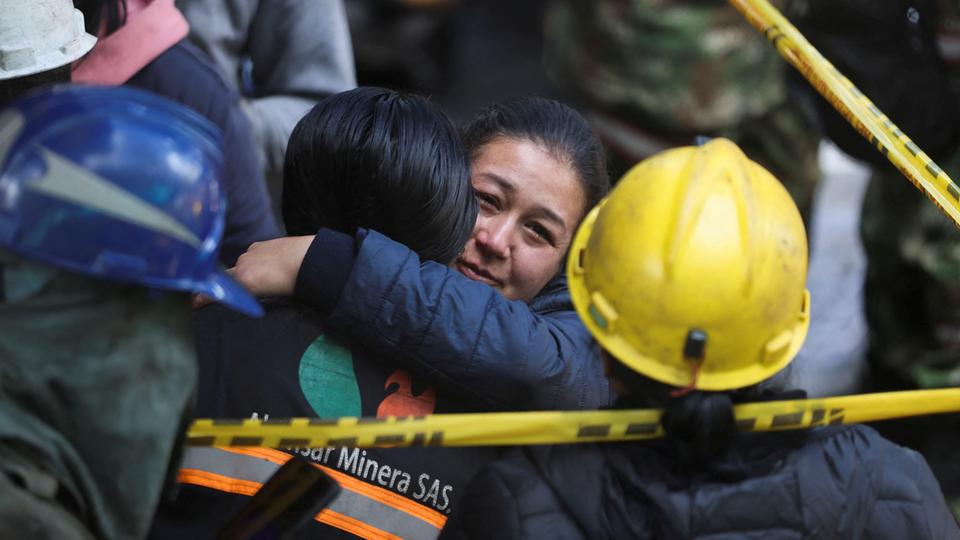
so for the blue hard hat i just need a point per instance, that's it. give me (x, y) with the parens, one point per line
(116, 183)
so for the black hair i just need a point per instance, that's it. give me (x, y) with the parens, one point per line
(11, 89)
(110, 14)
(384, 160)
(559, 129)
(698, 425)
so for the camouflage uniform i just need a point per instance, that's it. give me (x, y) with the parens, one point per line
(913, 281)
(912, 299)
(95, 380)
(656, 73)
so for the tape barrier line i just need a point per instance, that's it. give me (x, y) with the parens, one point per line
(556, 427)
(855, 107)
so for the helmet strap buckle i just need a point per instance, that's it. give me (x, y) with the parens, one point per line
(693, 351)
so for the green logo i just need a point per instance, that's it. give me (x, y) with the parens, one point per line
(327, 378)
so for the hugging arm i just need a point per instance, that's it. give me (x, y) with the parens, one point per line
(458, 332)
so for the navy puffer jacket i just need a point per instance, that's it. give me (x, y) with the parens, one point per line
(462, 334)
(838, 482)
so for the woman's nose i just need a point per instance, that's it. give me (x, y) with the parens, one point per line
(493, 237)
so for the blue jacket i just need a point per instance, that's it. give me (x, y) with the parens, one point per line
(846, 482)
(460, 333)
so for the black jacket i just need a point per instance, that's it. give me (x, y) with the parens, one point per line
(284, 365)
(845, 482)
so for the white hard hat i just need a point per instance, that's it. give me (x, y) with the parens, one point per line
(40, 35)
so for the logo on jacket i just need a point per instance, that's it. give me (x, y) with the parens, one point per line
(327, 379)
(402, 401)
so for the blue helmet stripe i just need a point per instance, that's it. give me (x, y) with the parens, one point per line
(69, 182)
(11, 124)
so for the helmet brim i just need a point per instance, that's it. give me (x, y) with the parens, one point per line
(60, 57)
(222, 288)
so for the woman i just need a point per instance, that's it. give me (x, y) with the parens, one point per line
(507, 336)
(704, 303)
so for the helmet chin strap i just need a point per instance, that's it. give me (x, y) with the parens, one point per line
(694, 375)
(694, 349)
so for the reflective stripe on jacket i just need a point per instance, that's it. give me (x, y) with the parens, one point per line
(362, 509)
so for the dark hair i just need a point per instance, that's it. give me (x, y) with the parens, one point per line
(111, 14)
(11, 89)
(384, 160)
(562, 131)
(698, 425)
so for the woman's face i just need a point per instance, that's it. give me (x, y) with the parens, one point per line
(530, 205)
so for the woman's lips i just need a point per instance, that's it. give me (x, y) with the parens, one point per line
(476, 273)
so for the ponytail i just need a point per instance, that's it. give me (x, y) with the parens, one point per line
(699, 425)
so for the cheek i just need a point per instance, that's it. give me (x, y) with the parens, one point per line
(536, 267)
(471, 246)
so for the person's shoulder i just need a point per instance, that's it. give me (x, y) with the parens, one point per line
(193, 62)
(858, 438)
(526, 494)
(227, 338)
(187, 74)
(854, 441)
(890, 468)
(553, 298)
(893, 481)
(277, 311)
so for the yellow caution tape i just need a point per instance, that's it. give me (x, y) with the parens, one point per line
(555, 427)
(856, 108)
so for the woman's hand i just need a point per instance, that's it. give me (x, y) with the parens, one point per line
(270, 268)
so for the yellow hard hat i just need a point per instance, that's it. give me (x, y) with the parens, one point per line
(692, 271)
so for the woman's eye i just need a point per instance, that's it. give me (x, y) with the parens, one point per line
(487, 200)
(541, 232)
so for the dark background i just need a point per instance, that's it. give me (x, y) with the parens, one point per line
(463, 54)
